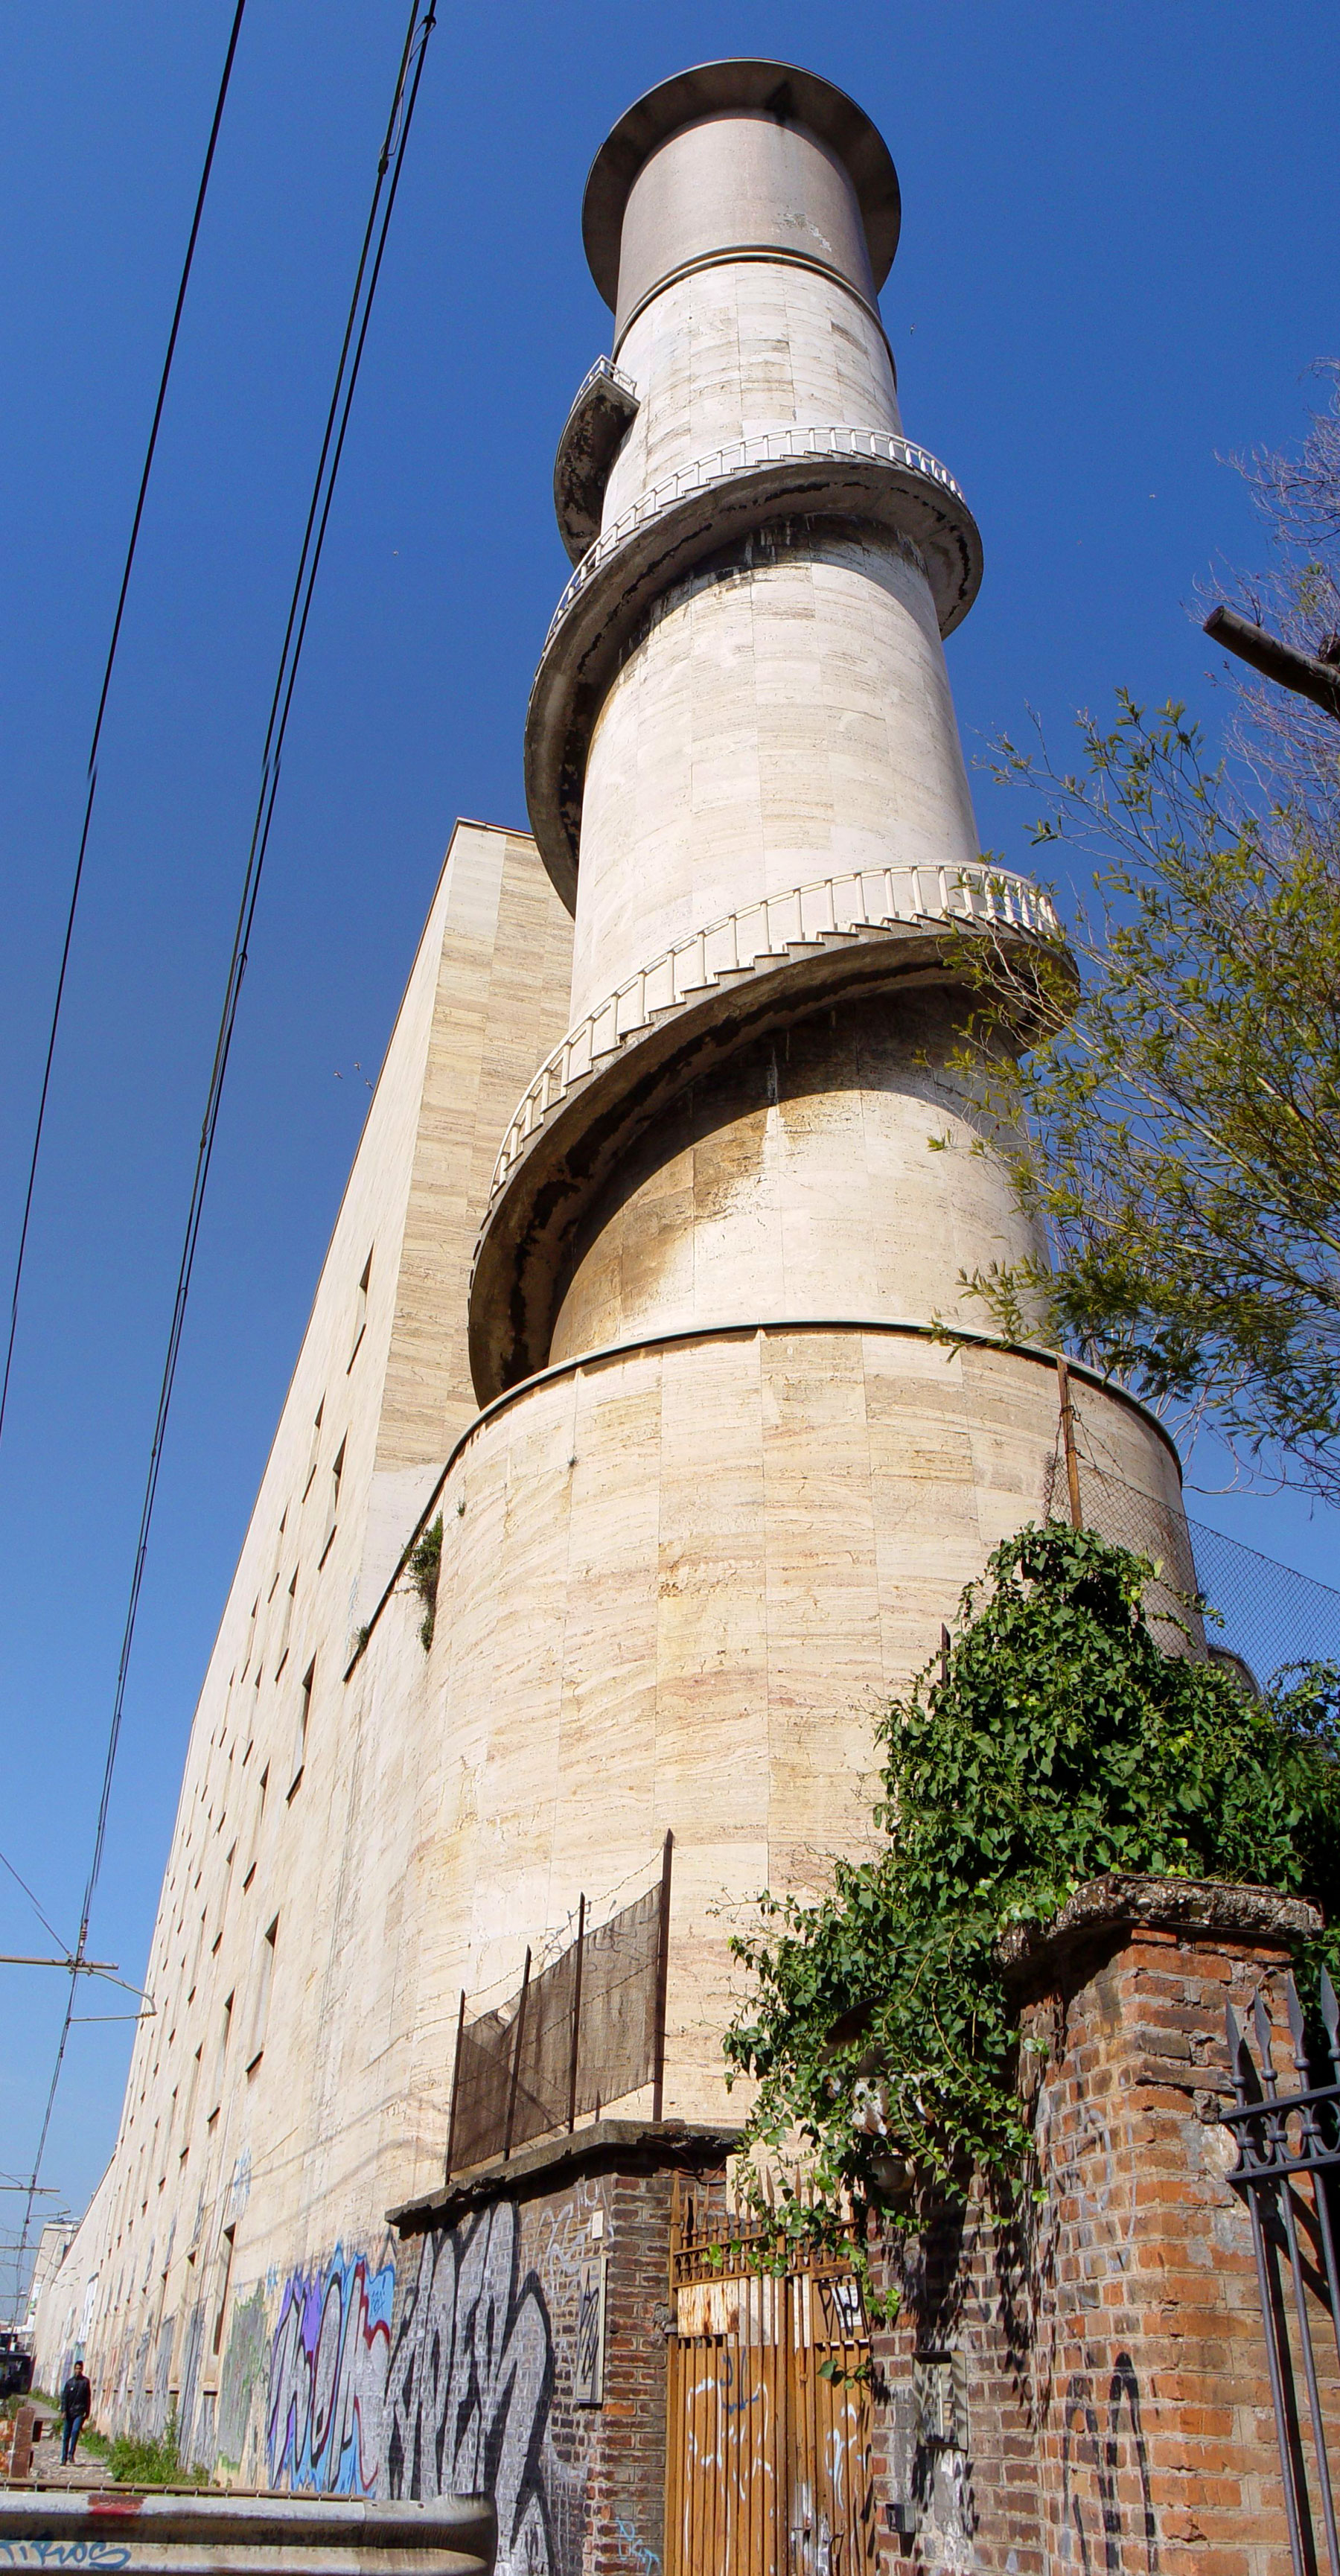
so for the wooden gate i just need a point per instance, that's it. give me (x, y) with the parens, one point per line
(768, 2458)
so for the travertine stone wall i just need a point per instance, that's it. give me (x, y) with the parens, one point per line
(785, 715)
(270, 2112)
(678, 1583)
(735, 350)
(833, 1161)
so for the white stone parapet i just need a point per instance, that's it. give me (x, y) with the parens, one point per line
(866, 899)
(793, 445)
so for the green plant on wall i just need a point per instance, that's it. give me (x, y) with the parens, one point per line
(423, 1569)
(1058, 1741)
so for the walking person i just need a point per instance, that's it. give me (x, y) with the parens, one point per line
(76, 2400)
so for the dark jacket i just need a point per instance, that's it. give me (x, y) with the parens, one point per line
(76, 2396)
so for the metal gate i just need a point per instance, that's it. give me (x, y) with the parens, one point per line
(1288, 2172)
(768, 2458)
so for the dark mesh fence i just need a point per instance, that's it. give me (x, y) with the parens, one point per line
(1268, 1615)
(583, 2033)
(1146, 1520)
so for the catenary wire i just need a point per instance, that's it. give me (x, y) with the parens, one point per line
(102, 709)
(420, 26)
(23, 1883)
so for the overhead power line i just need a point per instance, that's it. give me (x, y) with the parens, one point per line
(102, 706)
(391, 161)
(47, 1925)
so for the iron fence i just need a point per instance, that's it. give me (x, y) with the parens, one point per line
(588, 2030)
(1288, 2157)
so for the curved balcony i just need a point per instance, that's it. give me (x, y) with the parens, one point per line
(616, 1071)
(816, 473)
(593, 433)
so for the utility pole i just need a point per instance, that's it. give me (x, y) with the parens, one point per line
(1314, 676)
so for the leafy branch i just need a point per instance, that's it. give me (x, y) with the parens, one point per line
(1058, 1742)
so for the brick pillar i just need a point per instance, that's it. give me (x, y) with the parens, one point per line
(1108, 2355)
(1155, 2430)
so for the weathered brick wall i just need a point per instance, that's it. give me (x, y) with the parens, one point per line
(963, 2291)
(484, 2385)
(1113, 2394)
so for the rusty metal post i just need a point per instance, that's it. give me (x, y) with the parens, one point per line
(516, 2056)
(1068, 1441)
(662, 1978)
(576, 2016)
(455, 2086)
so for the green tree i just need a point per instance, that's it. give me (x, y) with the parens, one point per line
(1175, 1120)
(1059, 1741)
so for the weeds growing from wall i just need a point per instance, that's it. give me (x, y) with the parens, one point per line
(423, 1569)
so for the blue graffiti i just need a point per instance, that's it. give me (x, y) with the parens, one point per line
(327, 2393)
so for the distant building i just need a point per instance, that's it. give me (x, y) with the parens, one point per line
(626, 1468)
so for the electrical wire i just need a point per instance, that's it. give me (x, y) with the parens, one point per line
(23, 1883)
(422, 20)
(102, 706)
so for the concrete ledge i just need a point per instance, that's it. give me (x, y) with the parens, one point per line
(639, 2145)
(1105, 1908)
(192, 2532)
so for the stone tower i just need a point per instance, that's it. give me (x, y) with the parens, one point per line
(705, 1475)
(718, 1240)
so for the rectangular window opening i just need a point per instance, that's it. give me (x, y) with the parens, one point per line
(286, 1627)
(315, 1450)
(279, 1550)
(260, 2011)
(361, 1309)
(225, 2028)
(333, 1502)
(303, 1722)
(225, 2282)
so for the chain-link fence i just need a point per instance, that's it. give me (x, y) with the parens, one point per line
(1263, 1614)
(1269, 1614)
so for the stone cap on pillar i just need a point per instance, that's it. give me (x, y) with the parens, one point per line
(1107, 1908)
(737, 202)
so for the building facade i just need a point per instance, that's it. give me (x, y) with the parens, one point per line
(641, 1360)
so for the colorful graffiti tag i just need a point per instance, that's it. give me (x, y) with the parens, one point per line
(470, 2383)
(327, 2391)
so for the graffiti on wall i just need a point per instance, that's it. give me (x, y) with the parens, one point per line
(327, 2382)
(470, 2383)
(244, 2383)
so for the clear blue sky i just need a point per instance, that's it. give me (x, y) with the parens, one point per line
(1115, 266)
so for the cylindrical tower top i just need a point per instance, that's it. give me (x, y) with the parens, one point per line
(734, 158)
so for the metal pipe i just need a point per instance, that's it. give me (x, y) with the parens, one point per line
(662, 1978)
(1068, 1441)
(516, 2056)
(455, 2085)
(576, 2015)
